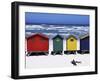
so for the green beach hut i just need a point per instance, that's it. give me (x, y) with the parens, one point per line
(57, 45)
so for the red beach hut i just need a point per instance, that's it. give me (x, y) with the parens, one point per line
(38, 44)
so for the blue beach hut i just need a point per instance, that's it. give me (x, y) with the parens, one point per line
(84, 44)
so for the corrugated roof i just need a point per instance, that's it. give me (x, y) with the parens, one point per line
(83, 36)
(39, 34)
(58, 36)
(71, 36)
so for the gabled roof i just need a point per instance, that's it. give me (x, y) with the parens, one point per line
(84, 36)
(71, 36)
(38, 34)
(58, 36)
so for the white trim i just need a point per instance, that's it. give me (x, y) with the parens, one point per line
(23, 71)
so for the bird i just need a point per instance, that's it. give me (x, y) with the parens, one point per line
(75, 62)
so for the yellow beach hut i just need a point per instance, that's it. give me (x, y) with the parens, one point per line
(71, 43)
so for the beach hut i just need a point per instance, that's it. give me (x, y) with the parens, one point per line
(37, 44)
(57, 45)
(84, 44)
(71, 45)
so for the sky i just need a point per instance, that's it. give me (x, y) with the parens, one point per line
(54, 18)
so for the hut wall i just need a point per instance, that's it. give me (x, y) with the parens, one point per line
(84, 44)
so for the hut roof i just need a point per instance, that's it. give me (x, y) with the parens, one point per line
(84, 36)
(38, 34)
(71, 36)
(58, 36)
